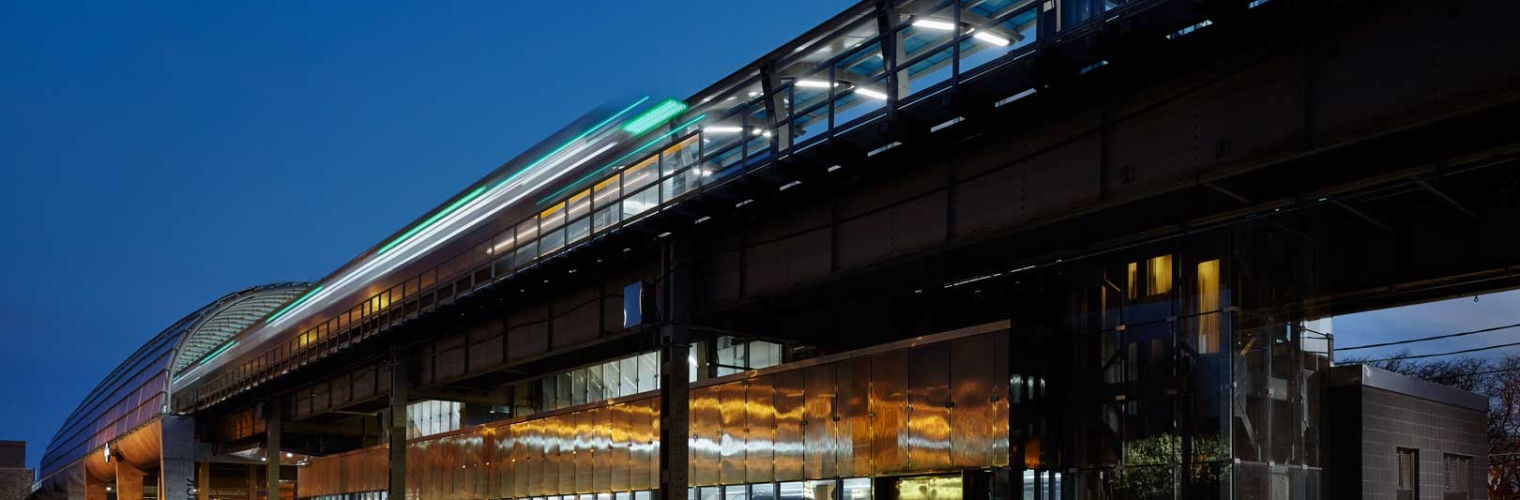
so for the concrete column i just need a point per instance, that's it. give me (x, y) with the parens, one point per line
(203, 481)
(176, 467)
(397, 435)
(675, 343)
(129, 481)
(274, 416)
(253, 482)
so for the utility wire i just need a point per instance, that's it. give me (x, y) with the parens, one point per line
(1452, 353)
(1427, 339)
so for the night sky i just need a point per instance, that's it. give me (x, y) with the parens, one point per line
(157, 156)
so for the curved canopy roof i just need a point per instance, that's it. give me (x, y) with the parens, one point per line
(229, 316)
(133, 394)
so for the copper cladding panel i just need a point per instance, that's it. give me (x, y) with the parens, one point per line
(889, 412)
(654, 443)
(929, 408)
(506, 463)
(705, 452)
(790, 405)
(818, 423)
(530, 457)
(640, 434)
(601, 457)
(1000, 450)
(972, 419)
(619, 439)
(574, 456)
(853, 429)
(760, 423)
(731, 403)
(585, 449)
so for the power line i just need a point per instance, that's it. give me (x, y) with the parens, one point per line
(1452, 353)
(1427, 339)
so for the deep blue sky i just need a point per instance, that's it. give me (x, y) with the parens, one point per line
(154, 157)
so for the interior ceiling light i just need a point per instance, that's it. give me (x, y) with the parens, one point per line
(814, 84)
(991, 38)
(723, 129)
(655, 116)
(933, 24)
(871, 93)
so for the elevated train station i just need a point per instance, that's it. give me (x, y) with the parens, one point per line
(928, 250)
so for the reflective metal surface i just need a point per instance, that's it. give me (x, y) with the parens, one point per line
(934, 405)
(760, 424)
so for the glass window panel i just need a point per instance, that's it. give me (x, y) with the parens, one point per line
(578, 387)
(577, 230)
(641, 201)
(641, 174)
(861, 99)
(764, 354)
(736, 492)
(502, 245)
(987, 43)
(930, 71)
(552, 239)
(624, 495)
(607, 192)
(595, 390)
(611, 382)
(681, 155)
(856, 488)
(710, 493)
(629, 374)
(649, 371)
(525, 254)
(1029, 489)
(681, 183)
(552, 218)
(578, 206)
(606, 217)
(763, 491)
(794, 491)
(564, 389)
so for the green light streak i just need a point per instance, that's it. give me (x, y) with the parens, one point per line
(655, 117)
(620, 159)
(292, 305)
(218, 352)
(430, 220)
(483, 189)
(572, 141)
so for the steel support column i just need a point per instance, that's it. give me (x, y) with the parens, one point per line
(253, 482)
(397, 435)
(177, 462)
(675, 342)
(274, 418)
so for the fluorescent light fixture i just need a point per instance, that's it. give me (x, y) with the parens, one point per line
(991, 38)
(812, 84)
(722, 129)
(933, 24)
(655, 116)
(757, 131)
(871, 93)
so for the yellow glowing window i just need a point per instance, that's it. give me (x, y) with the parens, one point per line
(1208, 303)
(1160, 278)
(551, 211)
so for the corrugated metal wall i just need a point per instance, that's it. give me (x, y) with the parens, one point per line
(933, 405)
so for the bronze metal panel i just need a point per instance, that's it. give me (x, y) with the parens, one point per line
(640, 435)
(760, 428)
(654, 442)
(505, 462)
(929, 408)
(1000, 373)
(530, 457)
(618, 440)
(788, 443)
(585, 449)
(705, 436)
(601, 450)
(854, 413)
(889, 412)
(972, 418)
(551, 473)
(818, 422)
(574, 454)
(731, 397)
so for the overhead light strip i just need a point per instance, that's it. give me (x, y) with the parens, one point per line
(655, 116)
